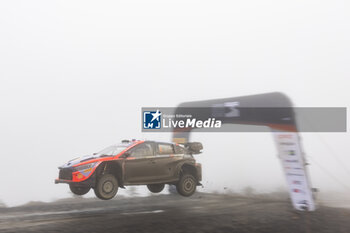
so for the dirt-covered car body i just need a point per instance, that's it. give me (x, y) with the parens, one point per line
(132, 163)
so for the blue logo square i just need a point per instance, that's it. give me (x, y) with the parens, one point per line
(152, 119)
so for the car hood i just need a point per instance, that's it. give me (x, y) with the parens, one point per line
(78, 160)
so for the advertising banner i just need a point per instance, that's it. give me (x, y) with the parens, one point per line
(293, 164)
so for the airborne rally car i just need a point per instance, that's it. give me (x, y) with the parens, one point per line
(134, 163)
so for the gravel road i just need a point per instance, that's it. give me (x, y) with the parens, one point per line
(171, 213)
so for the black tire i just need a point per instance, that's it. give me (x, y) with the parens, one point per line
(79, 190)
(187, 185)
(106, 187)
(155, 188)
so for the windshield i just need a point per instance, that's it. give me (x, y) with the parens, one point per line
(111, 150)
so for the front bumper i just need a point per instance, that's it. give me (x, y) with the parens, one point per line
(91, 181)
(59, 181)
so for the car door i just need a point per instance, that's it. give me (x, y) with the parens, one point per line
(165, 162)
(139, 165)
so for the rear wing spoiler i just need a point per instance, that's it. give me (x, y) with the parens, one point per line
(193, 147)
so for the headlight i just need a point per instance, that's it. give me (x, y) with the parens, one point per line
(85, 166)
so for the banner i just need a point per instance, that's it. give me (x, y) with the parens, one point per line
(293, 163)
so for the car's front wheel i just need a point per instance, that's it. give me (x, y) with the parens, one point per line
(187, 185)
(106, 187)
(79, 190)
(155, 188)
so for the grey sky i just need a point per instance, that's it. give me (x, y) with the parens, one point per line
(75, 74)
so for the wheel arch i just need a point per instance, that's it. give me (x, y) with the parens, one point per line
(110, 167)
(187, 168)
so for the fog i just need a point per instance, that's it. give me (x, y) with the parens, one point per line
(75, 74)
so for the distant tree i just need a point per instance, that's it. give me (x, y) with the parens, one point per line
(228, 191)
(2, 204)
(249, 191)
(172, 189)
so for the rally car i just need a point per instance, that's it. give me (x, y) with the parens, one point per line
(134, 162)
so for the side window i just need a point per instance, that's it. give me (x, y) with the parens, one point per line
(142, 150)
(179, 150)
(165, 149)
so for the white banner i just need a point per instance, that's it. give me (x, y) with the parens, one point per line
(293, 163)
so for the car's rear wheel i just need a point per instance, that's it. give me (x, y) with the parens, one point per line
(79, 190)
(187, 185)
(155, 188)
(106, 187)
